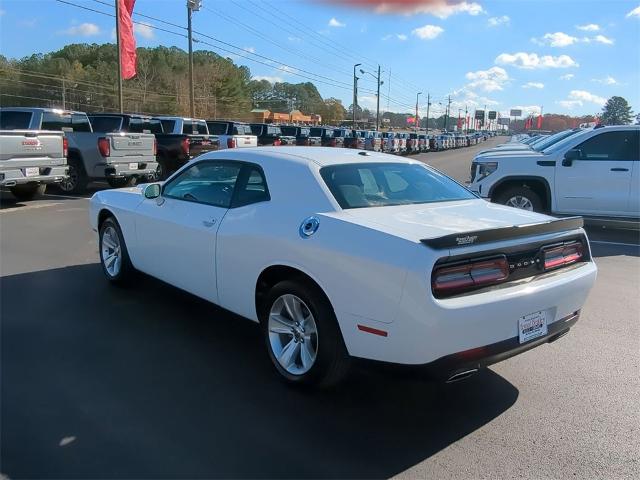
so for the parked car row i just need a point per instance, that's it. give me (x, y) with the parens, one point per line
(123, 149)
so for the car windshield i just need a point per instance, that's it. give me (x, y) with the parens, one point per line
(364, 185)
(547, 142)
(564, 142)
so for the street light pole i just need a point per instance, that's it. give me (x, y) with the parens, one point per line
(378, 102)
(192, 5)
(428, 105)
(416, 122)
(355, 95)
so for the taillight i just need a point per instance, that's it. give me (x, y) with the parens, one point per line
(231, 143)
(185, 145)
(563, 255)
(333, 143)
(104, 147)
(277, 142)
(155, 147)
(65, 147)
(450, 280)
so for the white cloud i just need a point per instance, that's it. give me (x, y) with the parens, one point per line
(497, 21)
(401, 36)
(145, 30)
(428, 32)
(533, 85)
(590, 27)
(336, 23)
(568, 76)
(608, 80)
(267, 78)
(438, 8)
(294, 39)
(83, 30)
(526, 110)
(249, 49)
(634, 13)
(2, 12)
(603, 39)
(534, 61)
(488, 80)
(285, 70)
(557, 39)
(577, 98)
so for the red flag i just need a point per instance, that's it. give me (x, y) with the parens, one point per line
(127, 39)
(539, 122)
(459, 122)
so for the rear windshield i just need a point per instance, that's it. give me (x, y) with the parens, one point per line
(65, 121)
(217, 128)
(106, 124)
(145, 125)
(292, 131)
(241, 129)
(342, 133)
(321, 132)
(305, 132)
(364, 185)
(274, 131)
(14, 120)
(168, 125)
(194, 128)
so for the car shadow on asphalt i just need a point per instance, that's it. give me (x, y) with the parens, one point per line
(151, 382)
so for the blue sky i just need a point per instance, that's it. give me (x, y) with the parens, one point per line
(566, 56)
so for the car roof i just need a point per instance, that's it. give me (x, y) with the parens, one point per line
(321, 156)
(39, 109)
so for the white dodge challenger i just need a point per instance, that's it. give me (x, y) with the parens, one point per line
(342, 254)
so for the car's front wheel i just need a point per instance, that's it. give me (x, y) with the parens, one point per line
(302, 335)
(520, 197)
(114, 256)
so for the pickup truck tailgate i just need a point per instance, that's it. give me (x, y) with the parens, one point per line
(199, 144)
(33, 148)
(243, 141)
(132, 144)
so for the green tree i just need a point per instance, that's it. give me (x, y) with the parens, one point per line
(617, 111)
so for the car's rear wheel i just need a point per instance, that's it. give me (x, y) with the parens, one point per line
(28, 191)
(302, 335)
(76, 180)
(114, 256)
(520, 197)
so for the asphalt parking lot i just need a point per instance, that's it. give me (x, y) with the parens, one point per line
(150, 382)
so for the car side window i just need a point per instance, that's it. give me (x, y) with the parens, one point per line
(252, 187)
(620, 145)
(207, 182)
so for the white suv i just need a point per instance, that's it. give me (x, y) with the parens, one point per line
(593, 173)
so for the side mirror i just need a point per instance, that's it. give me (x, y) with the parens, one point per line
(570, 156)
(152, 190)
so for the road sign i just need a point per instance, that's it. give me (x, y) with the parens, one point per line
(479, 115)
(492, 115)
(515, 113)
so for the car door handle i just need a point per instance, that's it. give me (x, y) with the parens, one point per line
(209, 223)
(619, 169)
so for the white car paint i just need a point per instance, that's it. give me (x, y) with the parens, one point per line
(369, 262)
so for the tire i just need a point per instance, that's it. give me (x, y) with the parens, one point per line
(76, 181)
(121, 182)
(28, 191)
(520, 197)
(111, 241)
(327, 361)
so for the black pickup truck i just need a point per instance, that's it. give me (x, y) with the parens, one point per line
(271, 135)
(302, 134)
(326, 134)
(172, 149)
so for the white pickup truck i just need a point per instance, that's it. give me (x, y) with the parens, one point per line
(30, 160)
(594, 173)
(232, 134)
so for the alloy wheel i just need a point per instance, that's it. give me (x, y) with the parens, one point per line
(111, 251)
(518, 201)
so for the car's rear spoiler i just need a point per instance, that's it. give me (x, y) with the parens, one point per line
(504, 233)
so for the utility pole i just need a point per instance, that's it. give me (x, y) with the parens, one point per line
(378, 102)
(416, 125)
(428, 105)
(466, 123)
(192, 6)
(355, 95)
(120, 100)
(447, 112)
(484, 116)
(64, 95)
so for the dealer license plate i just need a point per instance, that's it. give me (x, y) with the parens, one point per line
(133, 166)
(31, 172)
(532, 326)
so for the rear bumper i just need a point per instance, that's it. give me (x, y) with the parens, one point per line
(124, 170)
(11, 177)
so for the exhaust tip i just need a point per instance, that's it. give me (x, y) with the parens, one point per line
(461, 375)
